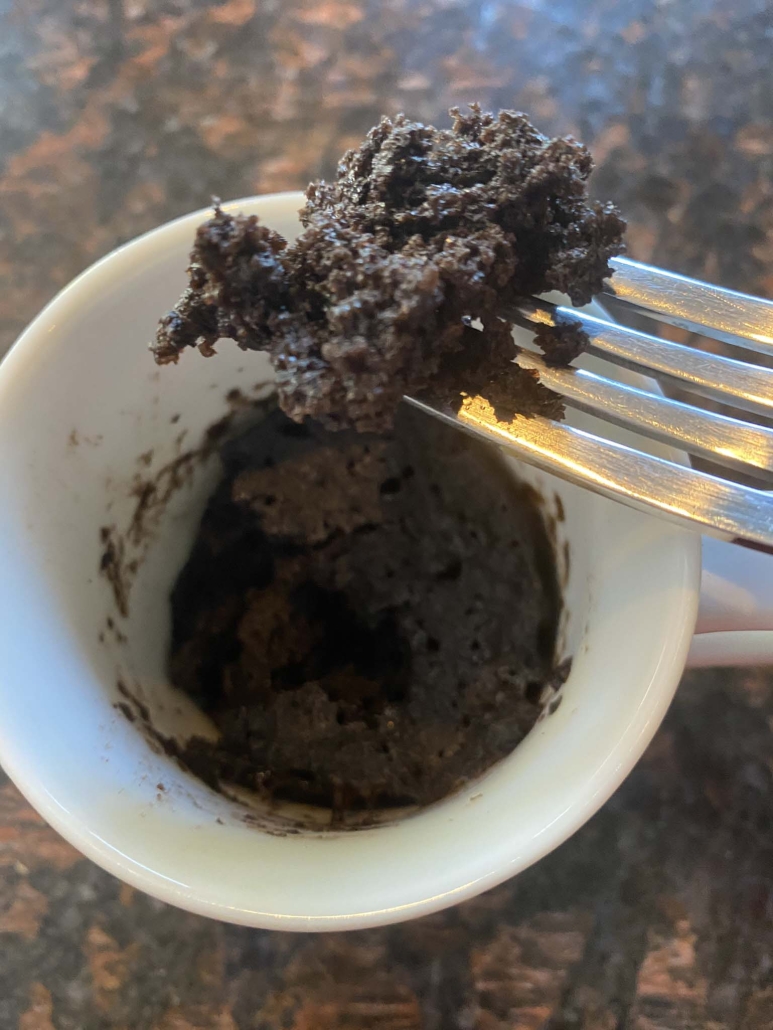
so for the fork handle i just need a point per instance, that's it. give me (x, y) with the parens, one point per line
(735, 616)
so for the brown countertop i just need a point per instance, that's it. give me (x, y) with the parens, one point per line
(116, 115)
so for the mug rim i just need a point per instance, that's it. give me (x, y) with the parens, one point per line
(25, 350)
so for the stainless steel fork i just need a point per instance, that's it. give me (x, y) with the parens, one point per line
(708, 502)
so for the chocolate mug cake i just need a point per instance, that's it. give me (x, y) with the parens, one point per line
(369, 613)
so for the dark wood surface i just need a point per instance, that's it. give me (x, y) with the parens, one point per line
(116, 115)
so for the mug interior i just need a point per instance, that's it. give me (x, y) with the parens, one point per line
(106, 461)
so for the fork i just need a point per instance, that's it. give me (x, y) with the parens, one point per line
(708, 501)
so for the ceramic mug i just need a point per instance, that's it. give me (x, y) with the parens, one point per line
(85, 420)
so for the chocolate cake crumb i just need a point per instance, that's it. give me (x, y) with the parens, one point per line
(421, 228)
(484, 364)
(369, 621)
(563, 341)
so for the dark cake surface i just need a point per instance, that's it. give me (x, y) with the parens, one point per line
(368, 621)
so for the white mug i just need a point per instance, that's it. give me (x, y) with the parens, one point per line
(80, 401)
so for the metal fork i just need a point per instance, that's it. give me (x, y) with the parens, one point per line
(709, 502)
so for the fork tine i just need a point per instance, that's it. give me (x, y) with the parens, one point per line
(735, 382)
(709, 310)
(727, 441)
(677, 492)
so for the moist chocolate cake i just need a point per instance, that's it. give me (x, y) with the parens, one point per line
(369, 621)
(422, 230)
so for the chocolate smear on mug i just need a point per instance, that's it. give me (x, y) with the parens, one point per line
(125, 547)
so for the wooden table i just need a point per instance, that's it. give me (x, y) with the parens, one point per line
(116, 115)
